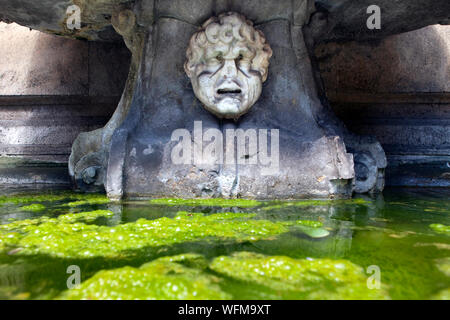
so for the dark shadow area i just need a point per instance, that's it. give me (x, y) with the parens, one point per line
(398, 90)
(60, 87)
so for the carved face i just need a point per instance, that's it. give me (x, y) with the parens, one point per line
(227, 63)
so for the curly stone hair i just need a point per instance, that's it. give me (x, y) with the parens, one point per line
(229, 29)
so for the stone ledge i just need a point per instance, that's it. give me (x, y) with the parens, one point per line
(418, 171)
(21, 171)
(389, 98)
(32, 100)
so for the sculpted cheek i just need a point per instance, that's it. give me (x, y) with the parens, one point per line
(254, 89)
(205, 89)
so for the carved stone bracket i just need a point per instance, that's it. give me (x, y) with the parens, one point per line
(133, 154)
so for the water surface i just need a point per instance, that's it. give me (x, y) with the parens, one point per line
(240, 250)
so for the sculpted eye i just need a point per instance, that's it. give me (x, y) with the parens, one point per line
(240, 57)
(219, 57)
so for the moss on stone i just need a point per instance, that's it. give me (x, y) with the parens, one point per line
(216, 202)
(170, 278)
(299, 278)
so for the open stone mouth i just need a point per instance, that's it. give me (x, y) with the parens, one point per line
(229, 91)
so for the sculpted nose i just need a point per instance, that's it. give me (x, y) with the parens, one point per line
(229, 68)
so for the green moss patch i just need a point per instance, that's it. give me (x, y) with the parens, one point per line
(91, 201)
(442, 295)
(173, 278)
(444, 265)
(299, 278)
(66, 236)
(216, 202)
(22, 226)
(33, 207)
(441, 228)
(189, 276)
(314, 203)
(53, 197)
(309, 223)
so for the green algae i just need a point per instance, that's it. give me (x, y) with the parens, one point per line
(299, 278)
(162, 279)
(437, 227)
(191, 260)
(393, 234)
(92, 201)
(215, 217)
(69, 236)
(216, 202)
(90, 216)
(276, 205)
(444, 265)
(188, 276)
(52, 197)
(309, 223)
(33, 207)
(66, 237)
(9, 293)
(406, 264)
(442, 295)
(14, 234)
(22, 225)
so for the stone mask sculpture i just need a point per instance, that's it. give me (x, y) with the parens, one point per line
(227, 62)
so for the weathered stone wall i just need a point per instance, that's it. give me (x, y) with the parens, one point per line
(51, 89)
(397, 89)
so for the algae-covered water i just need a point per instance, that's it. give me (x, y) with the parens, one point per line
(393, 246)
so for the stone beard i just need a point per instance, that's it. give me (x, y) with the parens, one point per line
(227, 62)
